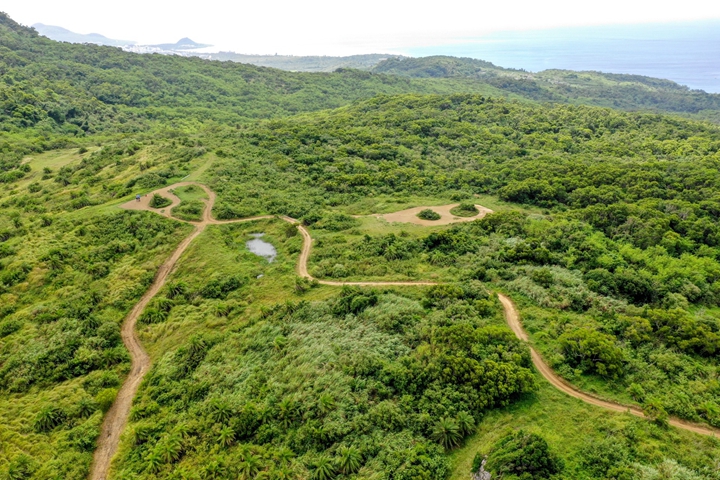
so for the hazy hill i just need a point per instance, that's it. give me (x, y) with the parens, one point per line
(61, 34)
(310, 63)
(182, 44)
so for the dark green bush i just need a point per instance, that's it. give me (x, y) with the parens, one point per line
(158, 201)
(428, 214)
(522, 456)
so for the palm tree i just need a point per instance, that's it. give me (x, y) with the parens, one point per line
(466, 422)
(182, 430)
(326, 403)
(215, 469)
(348, 460)
(170, 448)
(177, 289)
(48, 418)
(322, 468)
(283, 455)
(226, 436)
(286, 411)
(446, 432)
(250, 467)
(86, 407)
(220, 411)
(142, 434)
(153, 462)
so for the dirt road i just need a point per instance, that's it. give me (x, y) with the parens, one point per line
(116, 418)
(446, 217)
(513, 320)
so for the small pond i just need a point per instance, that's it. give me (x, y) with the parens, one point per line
(261, 248)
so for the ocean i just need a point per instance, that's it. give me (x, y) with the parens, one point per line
(687, 53)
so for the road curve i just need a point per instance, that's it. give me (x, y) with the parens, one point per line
(116, 418)
(513, 320)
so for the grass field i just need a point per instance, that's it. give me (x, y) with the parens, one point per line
(191, 206)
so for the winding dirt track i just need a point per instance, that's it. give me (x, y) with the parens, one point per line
(116, 418)
(513, 320)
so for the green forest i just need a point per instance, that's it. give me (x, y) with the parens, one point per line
(603, 231)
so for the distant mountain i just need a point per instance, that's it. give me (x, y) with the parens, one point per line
(61, 34)
(305, 63)
(182, 44)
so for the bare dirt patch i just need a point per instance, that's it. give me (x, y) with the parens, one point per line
(446, 218)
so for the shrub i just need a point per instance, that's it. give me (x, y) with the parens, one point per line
(655, 412)
(523, 455)
(592, 351)
(105, 398)
(159, 201)
(428, 214)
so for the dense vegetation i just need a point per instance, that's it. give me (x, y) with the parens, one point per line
(347, 385)
(631, 221)
(606, 233)
(628, 92)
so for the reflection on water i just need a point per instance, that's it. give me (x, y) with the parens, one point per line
(261, 248)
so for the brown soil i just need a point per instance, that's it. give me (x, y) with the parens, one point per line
(116, 418)
(446, 218)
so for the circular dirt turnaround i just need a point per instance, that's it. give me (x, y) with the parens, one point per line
(446, 218)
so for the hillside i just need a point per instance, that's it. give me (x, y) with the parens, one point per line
(627, 92)
(306, 63)
(134, 300)
(55, 94)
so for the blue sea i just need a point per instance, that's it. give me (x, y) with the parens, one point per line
(687, 53)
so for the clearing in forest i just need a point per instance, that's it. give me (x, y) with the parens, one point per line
(446, 218)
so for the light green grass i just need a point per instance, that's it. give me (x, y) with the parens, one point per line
(210, 256)
(190, 193)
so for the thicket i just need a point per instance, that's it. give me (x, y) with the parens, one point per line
(366, 382)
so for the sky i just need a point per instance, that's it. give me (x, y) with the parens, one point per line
(324, 27)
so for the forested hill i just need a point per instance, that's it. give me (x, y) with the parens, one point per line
(51, 92)
(627, 92)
